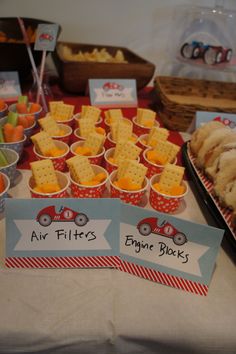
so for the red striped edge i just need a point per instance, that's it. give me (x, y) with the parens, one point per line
(163, 278)
(63, 262)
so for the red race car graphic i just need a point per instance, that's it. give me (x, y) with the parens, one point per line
(150, 225)
(47, 215)
(46, 37)
(112, 86)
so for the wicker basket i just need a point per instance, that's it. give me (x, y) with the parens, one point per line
(178, 99)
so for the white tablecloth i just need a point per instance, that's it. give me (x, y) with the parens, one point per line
(108, 311)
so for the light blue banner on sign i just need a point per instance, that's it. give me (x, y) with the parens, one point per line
(62, 227)
(113, 92)
(168, 244)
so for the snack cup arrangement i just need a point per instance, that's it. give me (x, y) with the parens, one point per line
(162, 202)
(59, 162)
(84, 191)
(36, 111)
(63, 181)
(94, 159)
(77, 116)
(66, 133)
(16, 146)
(3, 108)
(141, 129)
(12, 158)
(4, 187)
(153, 168)
(130, 197)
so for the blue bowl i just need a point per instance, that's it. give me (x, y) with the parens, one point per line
(4, 194)
(10, 170)
(12, 108)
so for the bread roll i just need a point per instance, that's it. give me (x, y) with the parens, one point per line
(226, 172)
(214, 139)
(200, 135)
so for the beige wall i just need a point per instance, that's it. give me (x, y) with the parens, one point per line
(141, 25)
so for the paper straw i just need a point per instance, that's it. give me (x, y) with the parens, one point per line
(42, 66)
(23, 30)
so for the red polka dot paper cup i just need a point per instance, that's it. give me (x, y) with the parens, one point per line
(59, 162)
(95, 159)
(129, 197)
(153, 168)
(69, 122)
(63, 181)
(109, 142)
(110, 166)
(77, 117)
(82, 191)
(162, 202)
(77, 135)
(66, 133)
(141, 129)
(142, 141)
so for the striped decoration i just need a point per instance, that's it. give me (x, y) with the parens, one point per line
(207, 183)
(163, 278)
(63, 262)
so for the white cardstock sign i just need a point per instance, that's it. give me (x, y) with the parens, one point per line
(71, 233)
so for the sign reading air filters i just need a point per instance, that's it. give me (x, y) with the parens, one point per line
(62, 233)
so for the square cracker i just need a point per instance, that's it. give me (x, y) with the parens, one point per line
(49, 125)
(53, 106)
(43, 142)
(80, 169)
(145, 115)
(133, 170)
(113, 115)
(127, 150)
(43, 172)
(86, 126)
(90, 112)
(95, 142)
(167, 149)
(63, 112)
(171, 175)
(123, 131)
(157, 134)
